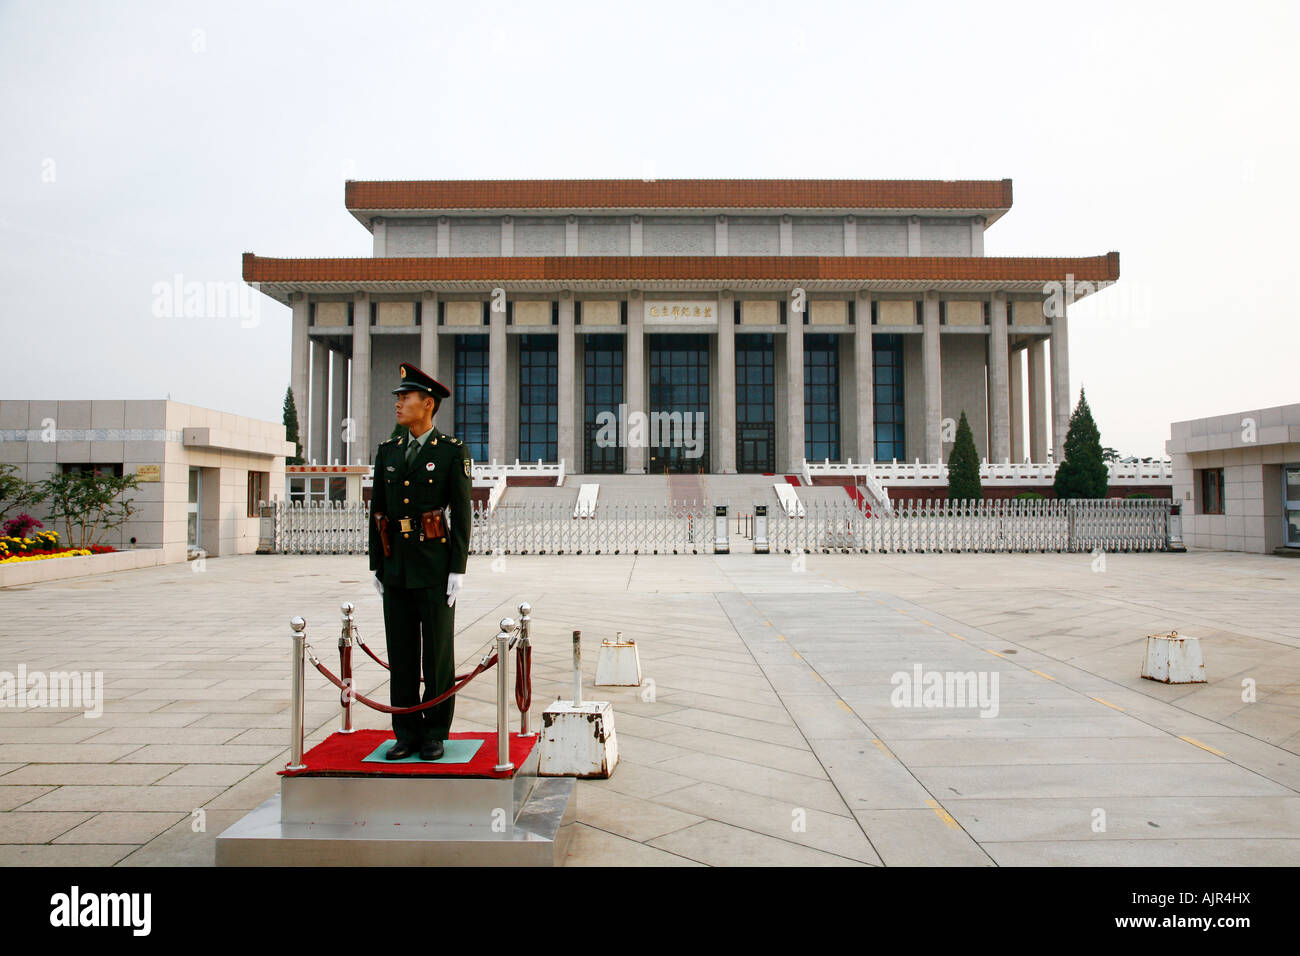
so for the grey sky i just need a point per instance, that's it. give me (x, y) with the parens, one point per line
(178, 136)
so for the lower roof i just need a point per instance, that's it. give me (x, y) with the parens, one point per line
(278, 277)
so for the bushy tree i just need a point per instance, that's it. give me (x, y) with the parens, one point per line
(291, 427)
(89, 505)
(15, 492)
(1082, 473)
(964, 465)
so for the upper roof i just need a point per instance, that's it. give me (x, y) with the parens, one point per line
(367, 198)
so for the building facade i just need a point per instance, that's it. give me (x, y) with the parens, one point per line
(1238, 479)
(715, 326)
(202, 472)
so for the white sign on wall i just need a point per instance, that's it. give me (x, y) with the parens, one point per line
(681, 313)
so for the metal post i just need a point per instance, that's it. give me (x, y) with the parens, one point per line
(347, 695)
(503, 726)
(577, 668)
(298, 640)
(525, 617)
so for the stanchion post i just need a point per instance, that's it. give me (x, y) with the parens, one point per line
(298, 639)
(577, 668)
(525, 617)
(503, 724)
(346, 696)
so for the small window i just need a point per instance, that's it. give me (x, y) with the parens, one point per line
(1212, 491)
(259, 485)
(94, 469)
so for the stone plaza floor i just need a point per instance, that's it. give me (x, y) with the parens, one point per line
(765, 732)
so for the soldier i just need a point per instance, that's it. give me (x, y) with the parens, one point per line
(418, 554)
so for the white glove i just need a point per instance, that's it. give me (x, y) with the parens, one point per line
(379, 586)
(454, 581)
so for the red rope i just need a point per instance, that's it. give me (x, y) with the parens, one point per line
(524, 677)
(378, 660)
(385, 708)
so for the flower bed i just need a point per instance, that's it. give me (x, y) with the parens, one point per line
(41, 546)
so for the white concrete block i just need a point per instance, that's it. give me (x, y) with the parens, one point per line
(618, 664)
(1173, 659)
(578, 740)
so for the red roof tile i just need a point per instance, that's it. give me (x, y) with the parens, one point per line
(680, 194)
(686, 268)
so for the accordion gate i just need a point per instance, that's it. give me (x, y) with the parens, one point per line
(687, 527)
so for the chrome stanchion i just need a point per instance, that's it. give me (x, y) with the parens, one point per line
(525, 617)
(347, 695)
(299, 644)
(577, 668)
(503, 725)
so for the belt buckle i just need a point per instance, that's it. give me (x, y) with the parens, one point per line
(405, 525)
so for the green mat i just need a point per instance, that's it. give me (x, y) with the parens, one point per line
(454, 751)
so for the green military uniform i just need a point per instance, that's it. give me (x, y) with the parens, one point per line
(414, 574)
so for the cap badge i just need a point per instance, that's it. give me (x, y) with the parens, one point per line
(428, 466)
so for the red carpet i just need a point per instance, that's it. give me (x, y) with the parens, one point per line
(342, 755)
(794, 480)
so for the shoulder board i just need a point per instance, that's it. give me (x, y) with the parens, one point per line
(454, 441)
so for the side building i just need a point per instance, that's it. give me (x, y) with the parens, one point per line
(202, 472)
(790, 319)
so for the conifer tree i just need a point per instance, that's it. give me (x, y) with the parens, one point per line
(1082, 473)
(291, 427)
(964, 465)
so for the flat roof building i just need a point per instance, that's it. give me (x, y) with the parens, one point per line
(787, 319)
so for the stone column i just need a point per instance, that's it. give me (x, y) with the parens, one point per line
(786, 237)
(931, 372)
(566, 433)
(338, 406)
(863, 373)
(724, 458)
(1017, 408)
(999, 388)
(380, 231)
(914, 236)
(429, 337)
(497, 386)
(1037, 401)
(794, 385)
(1060, 383)
(720, 236)
(360, 452)
(634, 393)
(507, 236)
(298, 359)
(318, 434)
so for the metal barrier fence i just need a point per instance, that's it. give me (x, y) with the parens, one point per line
(970, 525)
(687, 527)
(321, 527)
(619, 527)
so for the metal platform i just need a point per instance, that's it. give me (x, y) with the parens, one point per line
(377, 820)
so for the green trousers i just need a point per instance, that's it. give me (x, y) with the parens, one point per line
(416, 620)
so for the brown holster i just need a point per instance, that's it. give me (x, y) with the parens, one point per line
(381, 521)
(435, 526)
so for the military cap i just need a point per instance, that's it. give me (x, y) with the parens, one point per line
(413, 380)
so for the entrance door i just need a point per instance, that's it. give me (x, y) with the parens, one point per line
(757, 449)
(195, 512)
(1291, 504)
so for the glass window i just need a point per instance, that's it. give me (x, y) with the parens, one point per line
(1212, 491)
(602, 392)
(887, 376)
(821, 397)
(471, 394)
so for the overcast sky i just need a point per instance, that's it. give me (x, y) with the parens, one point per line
(147, 141)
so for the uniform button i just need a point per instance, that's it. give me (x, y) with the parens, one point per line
(406, 482)
(442, 539)
(406, 501)
(405, 535)
(430, 481)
